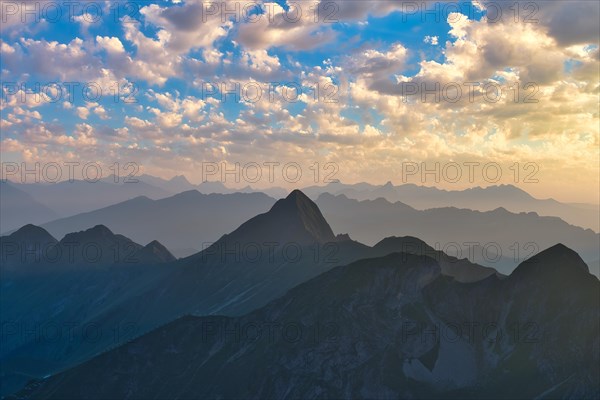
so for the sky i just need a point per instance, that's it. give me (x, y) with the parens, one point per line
(446, 94)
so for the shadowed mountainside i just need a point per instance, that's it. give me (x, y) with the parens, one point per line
(388, 327)
(256, 263)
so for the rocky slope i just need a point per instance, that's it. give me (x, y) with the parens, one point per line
(386, 327)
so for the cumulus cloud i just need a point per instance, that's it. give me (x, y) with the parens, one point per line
(261, 61)
(293, 27)
(567, 22)
(83, 112)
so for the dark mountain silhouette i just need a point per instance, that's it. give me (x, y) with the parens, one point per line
(462, 270)
(295, 219)
(189, 220)
(495, 238)
(154, 252)
(99, 245)
(478, 198)
(31, 234)
(241, 272)
(27, 245)
(33, 245)
(387, 327)
(552, 261)
(63, 285)
(19, 208)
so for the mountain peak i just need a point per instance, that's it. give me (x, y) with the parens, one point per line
(30, 229)
(98, 232)
(405, 244)
(297, 195)
(154, 252)
(296, 199)
(305, 211)
(31, 233)
(556, 259)
(294, 219)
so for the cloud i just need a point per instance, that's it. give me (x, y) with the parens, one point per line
(293, 27)
(359, 63)
(83, 112)
(186, 27)
(568, 22)
(261, 61)
(432, 40)
(111, 44)
(374, 62)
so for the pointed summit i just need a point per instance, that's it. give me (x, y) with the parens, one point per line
(295, 219)
(297, 193)
(300, 210)
(154, 253)
(295, 200)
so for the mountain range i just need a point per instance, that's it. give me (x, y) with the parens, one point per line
(36, 203)
(186, 222)
(33, 247)
(190, 221)
(66, 198)
(477, 198)
(49, 201)
(180, 183)
(386, 327)
(243, 270)
(496, 238)
(337, 318)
